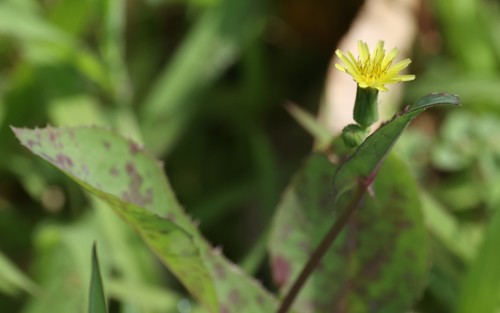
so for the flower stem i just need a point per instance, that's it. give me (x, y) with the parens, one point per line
(323, 247)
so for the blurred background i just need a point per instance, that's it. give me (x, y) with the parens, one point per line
(202, 84)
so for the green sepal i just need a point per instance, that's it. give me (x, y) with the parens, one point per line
(353, 135)
(366, 106)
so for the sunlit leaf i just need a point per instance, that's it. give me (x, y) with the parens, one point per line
(72, 16)
(152, 299)
(43, 41)
(62, 256)
(122, 174)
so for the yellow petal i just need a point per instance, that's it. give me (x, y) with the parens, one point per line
(373, 70)
(389, 58)
(364, 53)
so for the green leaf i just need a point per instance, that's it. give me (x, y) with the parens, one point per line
(73, 17)
(126, 177)
(376, 147)
(378, 263)
(23, 23)
(43, 41)
(148, 298)
(62, 255)
(12, 280)
(218, 36)
(436, 98)
(461, 240)
(480, 286)
(322, 136)
(97, 299)
(78, 109)
(127, 255)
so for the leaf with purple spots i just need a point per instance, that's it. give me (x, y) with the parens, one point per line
(132, 182)
(378, 263)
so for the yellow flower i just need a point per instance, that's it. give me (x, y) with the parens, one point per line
(373, 71)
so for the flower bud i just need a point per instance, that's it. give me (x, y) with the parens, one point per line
(366, 106)
(353, 135)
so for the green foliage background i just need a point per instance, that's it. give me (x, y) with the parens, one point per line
(201, 84)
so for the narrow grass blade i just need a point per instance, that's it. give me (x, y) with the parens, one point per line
(12, 280)
(97, 299)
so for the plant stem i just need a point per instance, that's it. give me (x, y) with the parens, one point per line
(322, 248)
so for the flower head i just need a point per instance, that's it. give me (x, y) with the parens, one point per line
(373, 70)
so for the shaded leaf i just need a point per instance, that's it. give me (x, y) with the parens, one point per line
(217, 36)
(322, 136)
(377, 263)
(461, 240)
(119, 172)
(376, 147)
(97, 298)
(379, 260)
(12, 280)
(435, 98)
(482, 282)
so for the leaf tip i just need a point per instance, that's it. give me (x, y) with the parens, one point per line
(94, 250)
(20, 134)
(16, 130)
(435, 99)
(452, 99)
